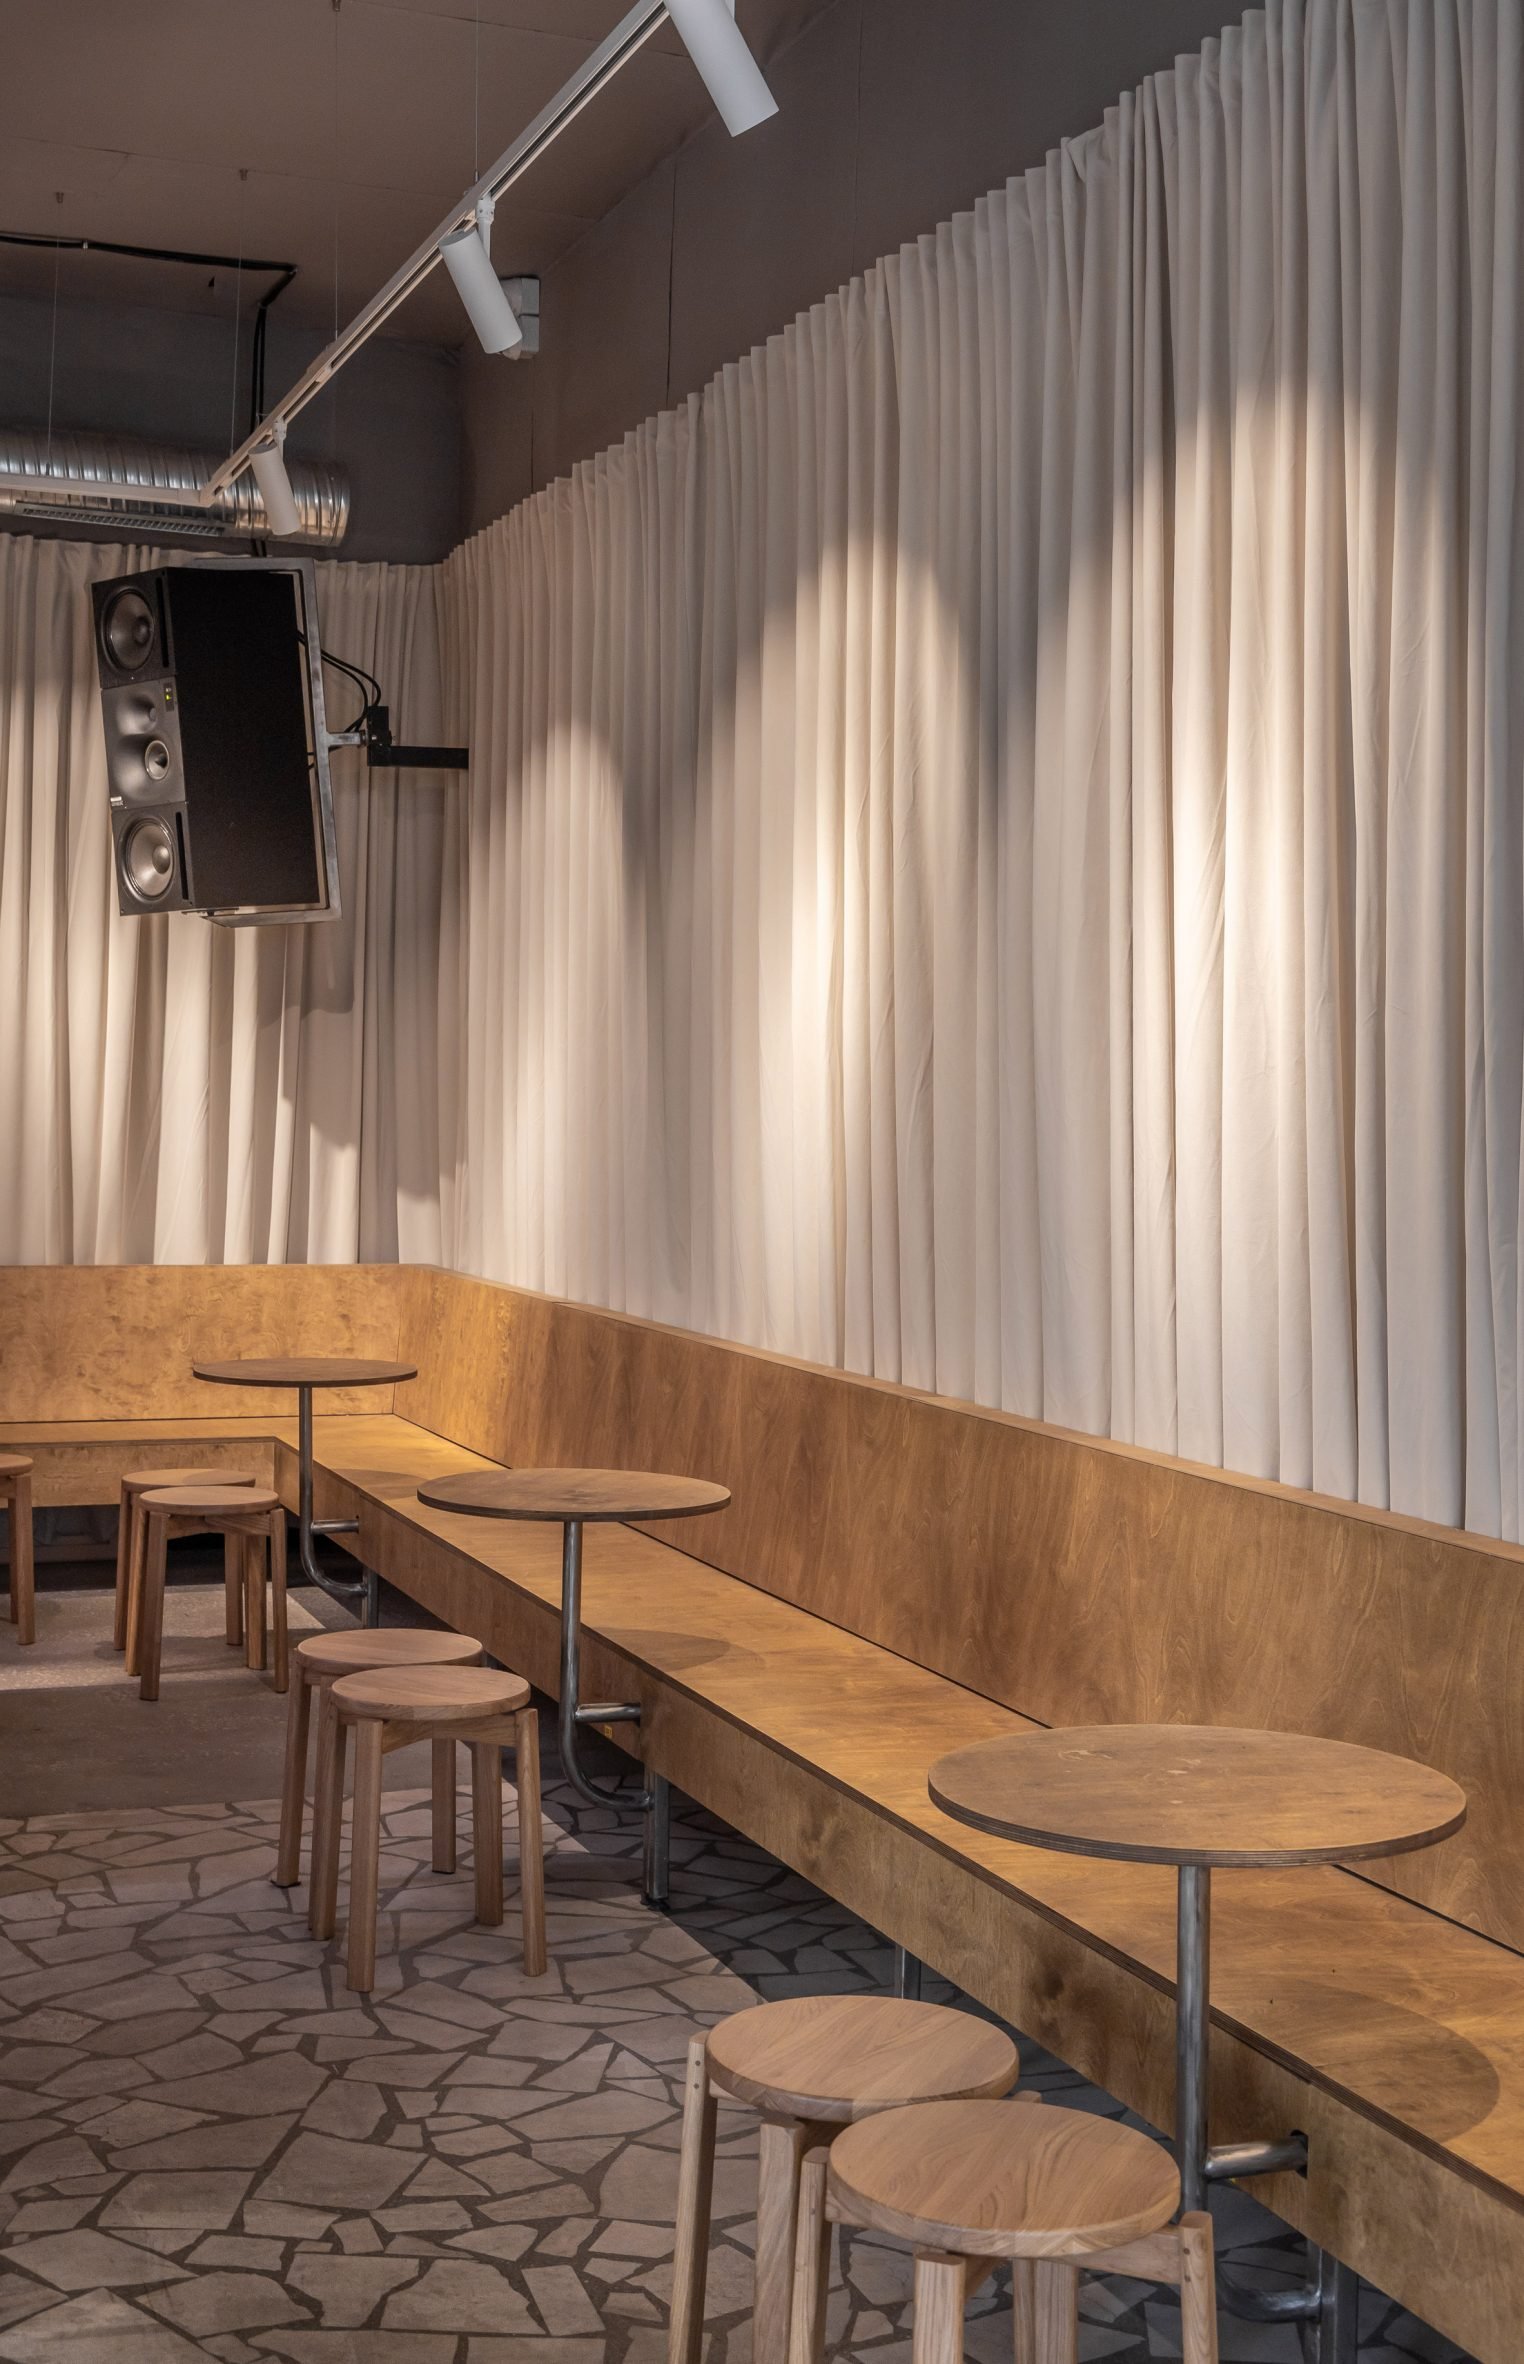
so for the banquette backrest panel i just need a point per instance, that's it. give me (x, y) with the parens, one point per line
(115, 1341)
(1069, 1578)
(1066, 1577)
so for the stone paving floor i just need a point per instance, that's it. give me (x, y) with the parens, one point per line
(208, 2148)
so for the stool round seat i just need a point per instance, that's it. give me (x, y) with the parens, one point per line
(219, 1500)
(146, 1481)
(15, 1465)
(374, 1646)
(994, 2179)
(832, 2059)
(430, 1694)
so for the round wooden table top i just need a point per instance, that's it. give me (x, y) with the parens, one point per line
(567, 1494)
(304, 1370)
(1197, 1793)
(1002, 2179)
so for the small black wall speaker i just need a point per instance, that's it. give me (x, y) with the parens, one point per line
(216, 741)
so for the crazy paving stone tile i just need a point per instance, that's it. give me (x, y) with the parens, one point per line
(470, 2166)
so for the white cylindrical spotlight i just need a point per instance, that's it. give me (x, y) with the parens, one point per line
(731, 74)
(480, 289)
(269, 466)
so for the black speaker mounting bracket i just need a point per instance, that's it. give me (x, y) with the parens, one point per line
(382, 753)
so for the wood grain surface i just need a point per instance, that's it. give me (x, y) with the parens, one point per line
(303, 1370)
(1072, 1579)
(348, 1652)
(225, 1501)
(414, 1694)
(1393, 2038)
(199, 1473)
(83, 1342)
(990, 2179)
(592, 1495)
(1192, 1793)
(833, 2058)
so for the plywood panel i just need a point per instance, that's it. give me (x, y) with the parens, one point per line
(1072, 1579)
(81, 1342)
(1393, 2037)
(84, 1462)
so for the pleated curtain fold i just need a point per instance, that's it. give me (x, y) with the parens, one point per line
(994, 844)
(176, 1092)
(994, 851)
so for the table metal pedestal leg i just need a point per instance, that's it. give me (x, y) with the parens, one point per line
(365, 1589)
(908, 1975)
(656, 1799)
(1326, 2306)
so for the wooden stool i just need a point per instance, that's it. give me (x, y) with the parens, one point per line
(809, 2067)
(967, 2184)
(248, 1518)
(317, 1664)
(391, 1708)
(16, 1494)
(132, 1536)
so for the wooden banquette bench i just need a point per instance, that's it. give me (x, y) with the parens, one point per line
(899, 1575)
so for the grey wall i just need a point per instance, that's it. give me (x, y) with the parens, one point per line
(391, 419)
(893, 115)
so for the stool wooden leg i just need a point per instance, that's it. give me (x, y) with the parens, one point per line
(23, 1578)
(150, 1628)
(278, 1617)
(526, 1770)
(1056, 2311)
(232, 1586)
(288, 1854)
(695, 2184)
(327, 1817)
(487, 1829)
(781, 2148)
(1024, 2311)
(938, 2335)
(812, 2263)
(1198, 2290)
(365, 1856)
(242, 1546)
(123, 1547)
(443, 1805)
(137, 1561)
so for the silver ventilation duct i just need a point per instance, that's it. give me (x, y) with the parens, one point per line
(143, 470)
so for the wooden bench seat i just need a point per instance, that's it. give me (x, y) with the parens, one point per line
(899, 1577)
(1391, 2036)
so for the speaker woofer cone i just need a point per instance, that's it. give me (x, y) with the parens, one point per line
(148, 859)
(156, 760)
(129, 630)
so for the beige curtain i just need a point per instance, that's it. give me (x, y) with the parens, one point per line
(176, 1092)
(994, 853)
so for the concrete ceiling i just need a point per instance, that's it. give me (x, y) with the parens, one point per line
(332, 134)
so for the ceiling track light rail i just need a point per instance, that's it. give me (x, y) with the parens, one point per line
(735, 83)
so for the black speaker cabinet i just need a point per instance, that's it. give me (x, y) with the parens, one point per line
(216, 741)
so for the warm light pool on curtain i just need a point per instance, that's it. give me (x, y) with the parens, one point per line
(994, 850)
(174, 1092)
